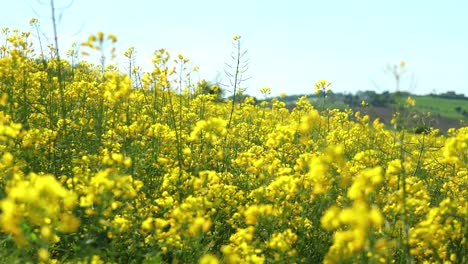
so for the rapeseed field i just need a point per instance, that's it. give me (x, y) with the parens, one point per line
(100, 166)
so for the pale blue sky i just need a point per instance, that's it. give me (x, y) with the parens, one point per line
(291, 44)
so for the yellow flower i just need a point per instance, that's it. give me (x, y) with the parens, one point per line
(33, 21)
(208, 259)
(215, 88)
(199, 224)
(43, 254)
(112, 37)
(376, 217)
(91, 39)
(330, 219)
(282, 241)
(96, 260)
(410, 101)
(69, 223)
(100, 36)
(265, 90)
(322, 86)
(252, 213)
(7, 159)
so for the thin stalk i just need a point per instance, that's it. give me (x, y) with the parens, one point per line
(405, 238)
(59, 65)
(236, 81)
(421, 151)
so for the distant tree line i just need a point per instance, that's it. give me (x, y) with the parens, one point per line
(450, 95)
(372, 98)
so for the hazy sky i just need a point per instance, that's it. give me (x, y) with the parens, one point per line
(291, 44)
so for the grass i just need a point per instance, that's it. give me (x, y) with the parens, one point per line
(444, 107)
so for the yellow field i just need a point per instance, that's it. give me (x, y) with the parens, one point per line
(99, 166)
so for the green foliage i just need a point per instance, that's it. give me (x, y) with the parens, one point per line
(442, 106)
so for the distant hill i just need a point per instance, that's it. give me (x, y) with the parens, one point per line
(442, 111)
